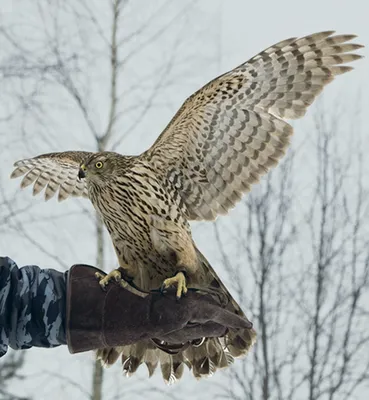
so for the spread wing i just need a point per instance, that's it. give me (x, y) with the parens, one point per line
(230, 132)
(55, 171)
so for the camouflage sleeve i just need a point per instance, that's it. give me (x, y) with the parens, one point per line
(32, 306)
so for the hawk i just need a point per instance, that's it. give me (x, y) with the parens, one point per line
(222, 140)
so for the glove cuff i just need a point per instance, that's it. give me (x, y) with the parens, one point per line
(98, 319)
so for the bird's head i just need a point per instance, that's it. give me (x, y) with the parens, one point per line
(99, 167)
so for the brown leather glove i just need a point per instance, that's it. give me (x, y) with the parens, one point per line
(119, 316)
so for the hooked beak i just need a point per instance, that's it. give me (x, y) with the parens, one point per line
(82, 171)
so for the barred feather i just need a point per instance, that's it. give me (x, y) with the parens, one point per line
(221, 141)
(55, 171)
(134, 358)
(151, 359)
(232, 131)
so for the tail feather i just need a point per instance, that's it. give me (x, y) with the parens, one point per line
(172, 366)
(151, 359)
(108, 356)
(216, 353)
(240, 342)
(199, 361)
(203, 360)
(178, 365)
(133, 357)
(166, 366)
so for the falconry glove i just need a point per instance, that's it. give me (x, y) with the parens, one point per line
(97, 319)
(33, 313)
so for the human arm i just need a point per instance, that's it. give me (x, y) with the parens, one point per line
(32, 306)
(48, 308)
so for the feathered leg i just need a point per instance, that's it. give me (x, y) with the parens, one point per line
(171, 239)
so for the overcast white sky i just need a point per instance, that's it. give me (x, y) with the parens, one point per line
(207, 39)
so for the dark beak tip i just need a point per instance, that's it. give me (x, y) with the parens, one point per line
(81, 174)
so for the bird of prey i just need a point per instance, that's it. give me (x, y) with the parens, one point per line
(222, 140)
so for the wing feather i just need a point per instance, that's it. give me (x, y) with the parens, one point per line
(55, 172)
(233, 130)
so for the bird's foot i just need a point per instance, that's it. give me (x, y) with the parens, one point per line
(179, 280)
(105, 279)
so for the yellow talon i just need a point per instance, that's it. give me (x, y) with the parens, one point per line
(105, 279)
(180, 281)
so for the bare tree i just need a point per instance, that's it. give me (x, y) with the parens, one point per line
(339, 268)
(263, 238)
(81, 51)
(301, 271)
(306, 272)
(11, 364)
(9, 372)
(106, 140)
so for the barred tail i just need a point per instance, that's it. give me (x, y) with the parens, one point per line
(203, 358)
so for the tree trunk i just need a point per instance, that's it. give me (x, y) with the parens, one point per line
(97, 377)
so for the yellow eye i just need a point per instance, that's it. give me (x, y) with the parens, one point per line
(99, 165)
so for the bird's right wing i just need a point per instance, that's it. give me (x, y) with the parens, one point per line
(55, 171)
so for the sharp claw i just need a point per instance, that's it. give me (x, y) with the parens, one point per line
(178, 280)
(104, 279)
(99, 275)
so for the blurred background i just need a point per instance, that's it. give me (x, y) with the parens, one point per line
(93, 75)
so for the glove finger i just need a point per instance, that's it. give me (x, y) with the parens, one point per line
(195, 331)
(211, 312)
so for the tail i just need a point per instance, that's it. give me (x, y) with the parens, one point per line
(203, 358)
(237, 342)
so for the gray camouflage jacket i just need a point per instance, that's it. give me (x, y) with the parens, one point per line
(32, 306)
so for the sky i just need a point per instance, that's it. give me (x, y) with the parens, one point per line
(185, 47)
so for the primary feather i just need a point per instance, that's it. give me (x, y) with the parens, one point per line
(221, 141)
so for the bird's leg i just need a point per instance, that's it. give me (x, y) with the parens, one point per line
(179, 280)
(174, 242)
(186, 264)
(105, 279)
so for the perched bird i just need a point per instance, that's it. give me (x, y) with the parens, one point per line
(221, 141)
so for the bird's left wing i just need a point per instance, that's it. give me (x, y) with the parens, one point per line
(233, 130)
(55, 171)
